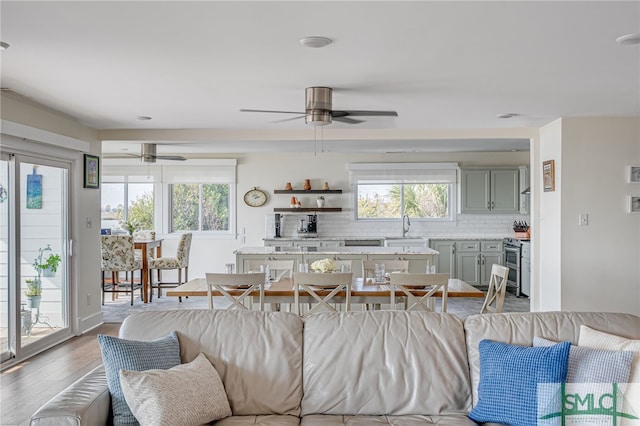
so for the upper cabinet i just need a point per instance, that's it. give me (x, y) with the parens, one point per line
(493, 191)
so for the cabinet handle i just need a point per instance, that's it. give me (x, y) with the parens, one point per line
(478, 259)
(489, 205)
(482, 259)
(493, 205)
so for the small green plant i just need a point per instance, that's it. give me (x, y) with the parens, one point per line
(129, 225)
(51, 262)
(34, 287)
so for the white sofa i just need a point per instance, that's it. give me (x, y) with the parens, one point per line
(365, 368)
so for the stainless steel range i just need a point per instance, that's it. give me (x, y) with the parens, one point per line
(513, 259)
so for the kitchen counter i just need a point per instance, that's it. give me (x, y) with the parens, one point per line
(339, 250)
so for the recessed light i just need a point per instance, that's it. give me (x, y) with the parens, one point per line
(3, 45)
(628, 39)
(143, 118)
(315, 41)
(508, 115)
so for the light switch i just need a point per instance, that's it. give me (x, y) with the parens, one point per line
(583, 219)
(88, 222)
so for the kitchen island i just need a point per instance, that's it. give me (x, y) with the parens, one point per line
(418, 257)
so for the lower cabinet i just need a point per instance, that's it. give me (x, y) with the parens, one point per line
(468, 260)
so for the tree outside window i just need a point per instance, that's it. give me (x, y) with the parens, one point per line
(199, 207)
(418, 200)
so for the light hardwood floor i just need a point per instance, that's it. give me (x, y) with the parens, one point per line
(28, 385)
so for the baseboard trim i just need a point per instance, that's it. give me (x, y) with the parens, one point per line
(89, 323)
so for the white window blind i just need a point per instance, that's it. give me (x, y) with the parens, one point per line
(393, 173)
(219, 171)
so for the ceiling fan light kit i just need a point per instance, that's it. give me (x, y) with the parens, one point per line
(315, 41)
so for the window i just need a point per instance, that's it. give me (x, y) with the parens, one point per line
(125, 201)
(389, 191)
(195, 195)
(199, 207)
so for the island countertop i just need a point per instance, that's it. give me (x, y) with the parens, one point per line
(340, 250)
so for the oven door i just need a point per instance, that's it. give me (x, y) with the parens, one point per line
(512, 260)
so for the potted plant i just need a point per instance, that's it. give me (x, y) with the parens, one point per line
(34, 292)
(320, 201)
(50, 265)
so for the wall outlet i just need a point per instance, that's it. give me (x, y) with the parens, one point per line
(583, 219)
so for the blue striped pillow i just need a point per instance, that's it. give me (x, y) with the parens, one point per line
(509, 377)
(121, 354)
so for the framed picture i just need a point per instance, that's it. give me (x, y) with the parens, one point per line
(634, 174)
(91, 171)
(548, 176)
(634, 204)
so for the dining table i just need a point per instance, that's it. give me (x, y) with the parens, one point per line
(365, 291)
(144, 246)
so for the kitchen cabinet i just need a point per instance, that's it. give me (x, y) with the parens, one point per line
(242, 261)
(474, 260)
(446, 260)
(494, 191)
(417, 263)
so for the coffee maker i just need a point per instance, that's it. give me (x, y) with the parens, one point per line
(312, 223)
(278, 225)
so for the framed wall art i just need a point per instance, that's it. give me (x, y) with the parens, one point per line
(633, 174)
(91, 171)
(548, 176)
(34, 189)
(634, 204)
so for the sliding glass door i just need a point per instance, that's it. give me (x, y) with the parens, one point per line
(34, 268)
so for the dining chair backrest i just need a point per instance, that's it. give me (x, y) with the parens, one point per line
(117, 253)
(236, 288)
(322, 288)
(494, 300)
(279, 268)
(420, 290)
(369, 267)
(184, 248)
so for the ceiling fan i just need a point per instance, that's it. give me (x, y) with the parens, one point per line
(319, 112)
(148, 154)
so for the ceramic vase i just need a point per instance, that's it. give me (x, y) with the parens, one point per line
(307, 184)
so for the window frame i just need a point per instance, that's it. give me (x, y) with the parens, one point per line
(400, 174)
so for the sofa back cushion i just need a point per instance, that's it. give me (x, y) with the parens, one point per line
(384, 362)
(258, 355)
(520, 329)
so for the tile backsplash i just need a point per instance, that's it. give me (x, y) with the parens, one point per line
(343, 225)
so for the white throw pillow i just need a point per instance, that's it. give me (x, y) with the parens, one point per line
(187, 394)
(600, 340)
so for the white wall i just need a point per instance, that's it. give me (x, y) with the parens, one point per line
(593, 267)
(549, 227)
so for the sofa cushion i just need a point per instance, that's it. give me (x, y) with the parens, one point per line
(509, 379)
(257, 354)
(520, 328)
(587, 365)
(187, 394)
(267, 420)
(118, 354)
(383, 362)
(413, 420)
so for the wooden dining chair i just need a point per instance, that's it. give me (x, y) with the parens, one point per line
(118, 255)
(236, 288)
(369, 267)
(419, 290)
(322, 290)
(494, 301)
(279, 268)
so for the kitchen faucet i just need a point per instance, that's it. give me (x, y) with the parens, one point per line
(405, 220)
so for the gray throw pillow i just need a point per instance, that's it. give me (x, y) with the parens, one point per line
(587, 365)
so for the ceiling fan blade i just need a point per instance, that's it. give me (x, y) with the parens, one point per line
(170, 157)
(276, 112)
(364, 113)
(288, 119)
(347, 120)
(121, 156)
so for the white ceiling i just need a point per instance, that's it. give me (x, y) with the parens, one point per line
(440, 65)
